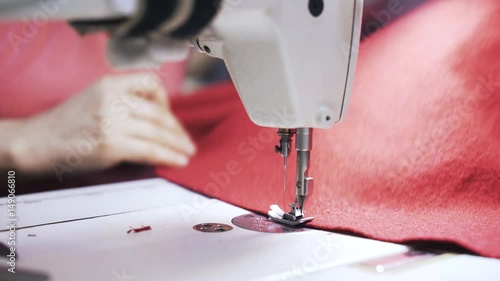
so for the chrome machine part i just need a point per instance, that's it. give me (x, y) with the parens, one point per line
(260, 223)
(303, 182)
(284, 148)
(276, 214)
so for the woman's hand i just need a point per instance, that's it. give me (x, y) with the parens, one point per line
(118, 118)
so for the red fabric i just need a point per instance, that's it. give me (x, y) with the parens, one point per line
(42, 65)
(418, 156)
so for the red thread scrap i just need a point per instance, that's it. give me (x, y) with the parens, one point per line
(139, 229)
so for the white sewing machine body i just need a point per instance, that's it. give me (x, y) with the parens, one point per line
(292, 68)
(292, 62)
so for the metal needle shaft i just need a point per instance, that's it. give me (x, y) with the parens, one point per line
(284, 149)
(284, 184)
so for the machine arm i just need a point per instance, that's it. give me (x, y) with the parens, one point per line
(292, 62)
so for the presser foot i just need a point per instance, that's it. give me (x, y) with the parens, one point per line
(278, 215)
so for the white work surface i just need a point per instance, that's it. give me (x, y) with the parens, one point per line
(81, 234)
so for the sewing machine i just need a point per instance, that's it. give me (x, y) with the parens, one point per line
(290, 76)
(292, 62)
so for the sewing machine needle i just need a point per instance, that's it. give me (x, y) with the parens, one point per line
(284, 184)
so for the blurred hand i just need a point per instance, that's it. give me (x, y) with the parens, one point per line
(118, 118)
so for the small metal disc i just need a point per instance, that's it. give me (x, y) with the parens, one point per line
(212, 227)
(260, 223)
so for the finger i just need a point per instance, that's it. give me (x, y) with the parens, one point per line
(146, 152)
(147, 86)
(151, 132)
(149, 95)
(152, 112)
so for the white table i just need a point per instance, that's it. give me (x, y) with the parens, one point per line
(81, 234)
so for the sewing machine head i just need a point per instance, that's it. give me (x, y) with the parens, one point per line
(293, 65)
(292, 62)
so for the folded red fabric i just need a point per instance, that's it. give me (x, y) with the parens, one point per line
(418, 156)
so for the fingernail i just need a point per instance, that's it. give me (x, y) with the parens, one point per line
(182, 160)
(190, 146)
